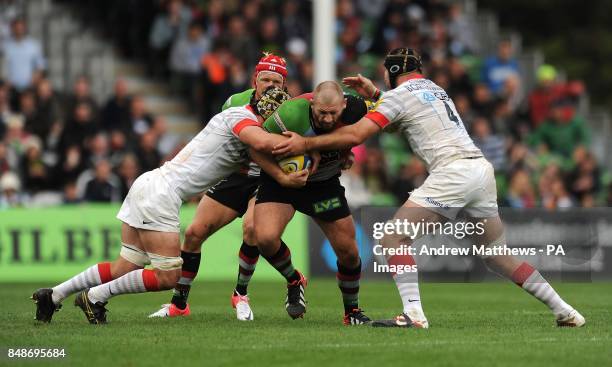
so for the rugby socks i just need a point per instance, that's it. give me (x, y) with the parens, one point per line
(528, 278)
(189, 270)
(137, 281)
(408, 285)
(92, 276)
(348, 282)
(247, 260)
(281, 261)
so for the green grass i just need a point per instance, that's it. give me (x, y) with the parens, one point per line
(492, 324)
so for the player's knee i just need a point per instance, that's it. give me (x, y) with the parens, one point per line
(248, 232)
(348, 256)
(266, 239)
(167, 279)
(196, 235)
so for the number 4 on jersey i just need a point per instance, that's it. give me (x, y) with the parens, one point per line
(451, 114)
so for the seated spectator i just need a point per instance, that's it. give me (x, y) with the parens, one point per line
(497, 69)
(23, 57)
(104, 186)
(29, 111)
(521, 193)
(10, 191)
(560, 135)
(493, 146)
(71, 165)
(16, 136)
(128, 172)
(79, 129)
(70, 194)
(522, 158)
(148, 156)
(49, 108)
(34, 171)
(584, 180)
(140, 119)
(98, 149)
(483, 102)
(460, 82)
(119, 147)
(81, 94)
(116, 113)
(549, 91)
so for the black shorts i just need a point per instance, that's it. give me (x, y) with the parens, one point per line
(323, 200)
(235, 191)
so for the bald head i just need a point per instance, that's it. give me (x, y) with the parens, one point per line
(328, 93)
(328, 102)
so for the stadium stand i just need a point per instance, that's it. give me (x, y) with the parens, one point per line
(114, 86)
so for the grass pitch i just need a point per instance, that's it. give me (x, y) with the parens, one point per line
(492, 324)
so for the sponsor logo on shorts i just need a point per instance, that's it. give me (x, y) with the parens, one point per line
(436, 203)
(326, 205)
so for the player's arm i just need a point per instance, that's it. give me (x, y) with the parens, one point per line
(271, 167)
(342, 138)
(255, 137)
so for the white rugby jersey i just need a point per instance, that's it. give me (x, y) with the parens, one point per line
(427, 117)
(213, 154)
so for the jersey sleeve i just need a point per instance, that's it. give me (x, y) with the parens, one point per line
(386, 110)
(238, 120)
(293, 115)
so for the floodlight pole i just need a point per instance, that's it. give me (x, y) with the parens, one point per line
(324, 49)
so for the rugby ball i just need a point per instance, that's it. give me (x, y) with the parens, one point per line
(294, 164)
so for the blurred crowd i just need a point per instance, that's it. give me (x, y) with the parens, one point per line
(64, 147)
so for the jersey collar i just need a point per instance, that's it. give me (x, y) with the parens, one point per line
(415, 76)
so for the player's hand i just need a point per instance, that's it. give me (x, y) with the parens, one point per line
(295, 180)
(349, 159)
(362, 85)
(295, 145)
(316, 158)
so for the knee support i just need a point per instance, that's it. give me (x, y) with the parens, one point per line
(165, 263)
(134, 255)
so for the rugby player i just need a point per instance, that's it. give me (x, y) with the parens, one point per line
(459, 178)
(230, 198)
(150, 212)
(323, 199)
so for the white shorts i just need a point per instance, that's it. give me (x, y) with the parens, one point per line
(151, 204)
(462, 184)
